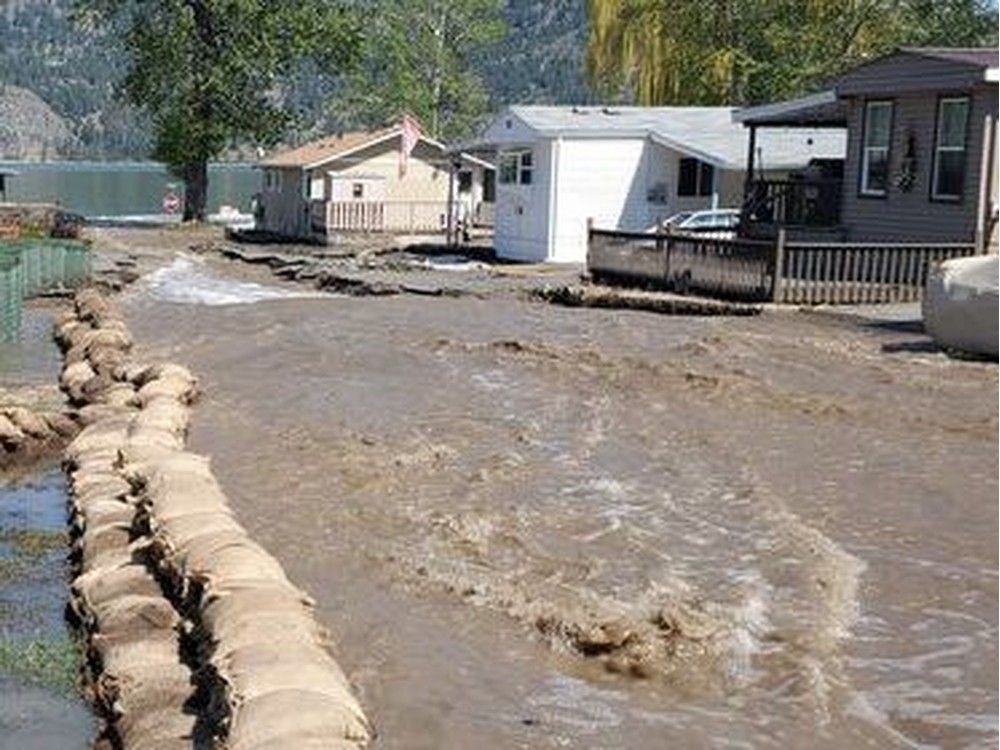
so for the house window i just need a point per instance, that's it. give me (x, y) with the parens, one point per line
(516, 167)
(465, 181)
(489, 186)
(695, 177)
(949, 148)
(527, 167)
(357, 191)
(875, 148)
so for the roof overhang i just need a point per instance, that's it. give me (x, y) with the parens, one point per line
(823, 109)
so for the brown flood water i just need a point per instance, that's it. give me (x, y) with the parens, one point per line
(535, 527)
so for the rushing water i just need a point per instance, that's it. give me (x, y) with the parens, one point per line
(788, 531)
(123, 189)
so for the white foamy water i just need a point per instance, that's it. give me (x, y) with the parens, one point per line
(189, 281)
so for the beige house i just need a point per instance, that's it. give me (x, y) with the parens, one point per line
(360, 181)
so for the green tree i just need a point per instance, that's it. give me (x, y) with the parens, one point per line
(418, 59)
(746, 51)
(209, 72)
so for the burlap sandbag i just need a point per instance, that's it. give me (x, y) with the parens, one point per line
(94, 307)
(161, 413)
(94, 413)
(99, 540)
(73, 379)
(134, 613)
(290, 718)
(94, 589)
(68, 332)
(118, 394)
(106, 360)
(11, 435)
(158, 727)
(101, 511)
(172, 534)
(234, 562)
(109, 433)
(62, 424)
(30, 423)
(176, 388)
(128, 654)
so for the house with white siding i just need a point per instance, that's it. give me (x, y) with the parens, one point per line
(371, 181)
(624, 168)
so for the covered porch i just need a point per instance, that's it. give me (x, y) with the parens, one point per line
(806, 203)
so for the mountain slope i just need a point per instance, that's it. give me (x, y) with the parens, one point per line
(75, 71)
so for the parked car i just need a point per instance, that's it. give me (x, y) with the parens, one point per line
(717, 222)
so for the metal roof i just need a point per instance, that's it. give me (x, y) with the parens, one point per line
(979, 57)
(708, 133)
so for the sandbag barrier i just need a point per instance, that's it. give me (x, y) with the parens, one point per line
(168, 577)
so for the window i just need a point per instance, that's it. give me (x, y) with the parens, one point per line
(516, 167)
(695, 178)
(527, 167)
(489, 186)
(357, 191)
(875, 148)
(465, 181)
(949, 148)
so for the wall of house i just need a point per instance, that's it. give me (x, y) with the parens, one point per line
(285, 210)
(600, 179)
(521, 213)
(662, 178)
(426, 177)
(912, 215)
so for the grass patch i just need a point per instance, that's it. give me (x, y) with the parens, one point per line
(33, 543)
(51, 663)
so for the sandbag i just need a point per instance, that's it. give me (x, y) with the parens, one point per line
(95, 589)
(11, 435)
(290, 717)
(135, 613)
(61, 424)
(30, 423)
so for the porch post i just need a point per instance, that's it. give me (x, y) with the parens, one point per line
(450, 219)
(748, 178)
(986, 176)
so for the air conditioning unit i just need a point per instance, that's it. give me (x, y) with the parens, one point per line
(657, 193)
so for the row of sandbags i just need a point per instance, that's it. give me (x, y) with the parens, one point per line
(157, 539)
(265, 663)
(132, 634)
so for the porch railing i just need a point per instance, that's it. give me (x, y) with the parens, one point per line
(378, 216)
(765, 270)
(805, 203)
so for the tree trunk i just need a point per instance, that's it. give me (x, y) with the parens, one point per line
(195, 191)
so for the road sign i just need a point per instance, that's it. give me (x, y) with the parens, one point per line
(171, 203)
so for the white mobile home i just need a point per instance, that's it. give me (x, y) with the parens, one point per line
(625, 168)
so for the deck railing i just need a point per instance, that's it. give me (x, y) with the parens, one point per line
(802, 203)
(379, 216)
(859, 273)
(765, 270)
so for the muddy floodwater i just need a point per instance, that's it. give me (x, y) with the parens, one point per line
(532, 527)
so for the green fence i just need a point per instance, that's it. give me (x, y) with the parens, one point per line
(29, 267)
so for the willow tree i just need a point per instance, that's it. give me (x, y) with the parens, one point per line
(419, 58)
(210, 72)
(741, 51)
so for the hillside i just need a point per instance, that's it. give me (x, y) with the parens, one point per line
(74, 71)
(29, 129)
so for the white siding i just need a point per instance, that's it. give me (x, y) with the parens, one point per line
(521, 214)
(602, 179)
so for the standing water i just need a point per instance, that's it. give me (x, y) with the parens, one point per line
(39, 704)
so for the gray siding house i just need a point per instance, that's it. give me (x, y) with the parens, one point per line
(921, 153)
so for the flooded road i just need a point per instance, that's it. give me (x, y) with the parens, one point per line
(530, 526)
